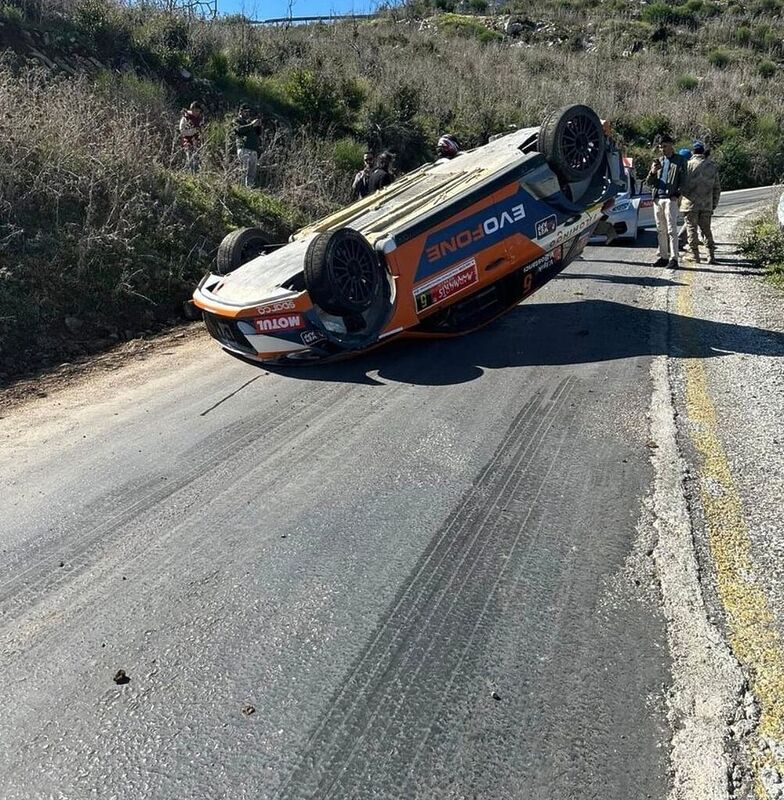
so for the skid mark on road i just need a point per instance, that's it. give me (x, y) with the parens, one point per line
(101, 523)
(753, 635)
(432, 626)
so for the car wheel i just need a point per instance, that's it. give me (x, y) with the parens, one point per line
(342, 272)
(572, 141)
(239, 247)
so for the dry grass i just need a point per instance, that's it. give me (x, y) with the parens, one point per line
(97, 220)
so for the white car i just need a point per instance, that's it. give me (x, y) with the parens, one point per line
(633, 209)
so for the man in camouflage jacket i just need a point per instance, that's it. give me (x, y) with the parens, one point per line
(701, 192)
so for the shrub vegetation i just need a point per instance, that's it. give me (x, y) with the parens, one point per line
(98, 220)
(763, 245)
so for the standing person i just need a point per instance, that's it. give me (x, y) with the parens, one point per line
(361, 186)
(682, 235)
(190, 135)
(665, 178)
(247, 132)
(701, 193)
(381, 175)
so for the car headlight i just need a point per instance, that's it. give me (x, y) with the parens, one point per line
(618, 208)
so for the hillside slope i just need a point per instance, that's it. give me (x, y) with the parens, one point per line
(102, 234)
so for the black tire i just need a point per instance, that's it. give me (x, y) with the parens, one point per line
(239, 247)
(342, 272)
(572, 141)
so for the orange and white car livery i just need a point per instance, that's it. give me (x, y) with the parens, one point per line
(443, 250)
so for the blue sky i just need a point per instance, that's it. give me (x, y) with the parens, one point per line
(266, 9)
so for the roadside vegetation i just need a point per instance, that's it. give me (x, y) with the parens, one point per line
(763, 244)
(102, 234)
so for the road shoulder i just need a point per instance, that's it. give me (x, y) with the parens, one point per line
(727, 380)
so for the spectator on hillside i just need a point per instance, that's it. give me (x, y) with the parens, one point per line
(701, 193)
(361, 186)
(447, 147)
(191, 121)
(381, 175)
(247, 132)
(665, 178)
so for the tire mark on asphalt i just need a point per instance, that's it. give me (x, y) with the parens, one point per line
(35, 579)
(448, 566)
(439, 705)
(480, 546)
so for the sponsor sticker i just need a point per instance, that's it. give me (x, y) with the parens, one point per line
(546, 226)
(573, 230)
(646, 202)
(278, 307)
(474, 229)
(547, 260)
(288, 322)
(446, 284)
(312, 337)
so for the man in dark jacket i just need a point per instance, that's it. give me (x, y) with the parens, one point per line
(381, 176)
(247, 133)
(665, 178)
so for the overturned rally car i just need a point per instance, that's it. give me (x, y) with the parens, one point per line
(443, 250)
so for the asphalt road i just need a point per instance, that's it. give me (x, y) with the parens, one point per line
(419, 574)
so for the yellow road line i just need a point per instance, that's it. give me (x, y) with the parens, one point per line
(753, 636)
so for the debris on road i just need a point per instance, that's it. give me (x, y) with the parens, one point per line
(121, 678)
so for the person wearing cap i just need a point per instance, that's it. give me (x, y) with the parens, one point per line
(665, 178)
(447, 146)
(247, 133)
(381, 175)
(701, 193)
(361, 186)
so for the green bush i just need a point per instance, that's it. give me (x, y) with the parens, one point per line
(734, 162)
(468, 28)
(397, 124)
(478, 6)
(766, 68)
(687, 83)
(217, 67)
(102, 23)
(326, 104)
(163, 38)
(763, 245)
(11, 15)
(719, 58)
(347, 155)
(659, 13)
(446, 5)
(760, 7)
(644, 129)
